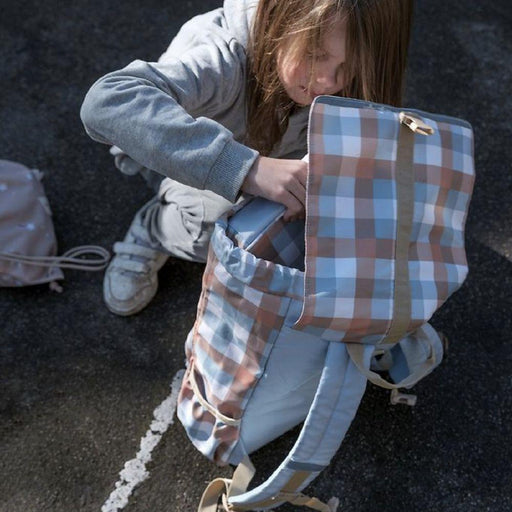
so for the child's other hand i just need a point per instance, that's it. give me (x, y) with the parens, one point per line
(283, 181)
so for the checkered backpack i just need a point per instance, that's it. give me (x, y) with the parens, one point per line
(294, 318)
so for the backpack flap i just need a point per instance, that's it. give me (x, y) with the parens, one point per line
(386, 209)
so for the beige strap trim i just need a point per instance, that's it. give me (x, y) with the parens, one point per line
(409, 125)
(211, 495)
(225, 419)
(289, 493)
(224, 488)
(405, 205)
(295, 481)
(242, 477)
(356, 352)
(296, 498)
(288, 489)
(312, 503)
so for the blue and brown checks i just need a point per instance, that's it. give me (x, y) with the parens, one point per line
(352, 222)
(348, 275)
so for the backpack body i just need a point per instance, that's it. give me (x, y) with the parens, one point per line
(294, 318)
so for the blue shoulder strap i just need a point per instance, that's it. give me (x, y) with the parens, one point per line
(337, 398)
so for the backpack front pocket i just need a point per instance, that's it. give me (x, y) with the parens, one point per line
(240, 315)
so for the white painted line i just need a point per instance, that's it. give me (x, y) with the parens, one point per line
(134, 471)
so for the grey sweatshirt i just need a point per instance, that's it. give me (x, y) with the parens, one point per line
(185, 115)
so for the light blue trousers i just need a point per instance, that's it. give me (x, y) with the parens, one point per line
(180, 217)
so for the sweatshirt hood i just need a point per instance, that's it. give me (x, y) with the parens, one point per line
(239, 15)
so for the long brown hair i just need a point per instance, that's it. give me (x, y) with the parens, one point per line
(377, 41)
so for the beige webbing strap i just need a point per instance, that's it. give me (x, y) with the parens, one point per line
(290, 494)
(405, 211)
(209, 407)
(223, 488)
(312, 503)
(211, 495)
(356, 352)
(409, 125)
(242, 477)
(288, 490)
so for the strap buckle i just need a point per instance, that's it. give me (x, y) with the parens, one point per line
(415, 124)
(402, 398)
(225, 503)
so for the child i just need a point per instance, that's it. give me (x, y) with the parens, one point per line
(224, 113)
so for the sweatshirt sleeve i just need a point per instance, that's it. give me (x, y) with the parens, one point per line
(157, 113)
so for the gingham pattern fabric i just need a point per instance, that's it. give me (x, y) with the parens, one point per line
(241, 311)
(352, 218)
(282, 243)
(257, 226)
(347, 287)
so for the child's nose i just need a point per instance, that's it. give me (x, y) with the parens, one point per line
(326, 76)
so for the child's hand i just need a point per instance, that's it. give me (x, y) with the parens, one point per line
(283, 181)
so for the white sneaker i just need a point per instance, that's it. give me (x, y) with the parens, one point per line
(131, 279)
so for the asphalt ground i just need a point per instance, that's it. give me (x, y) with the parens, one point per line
(79, 385)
